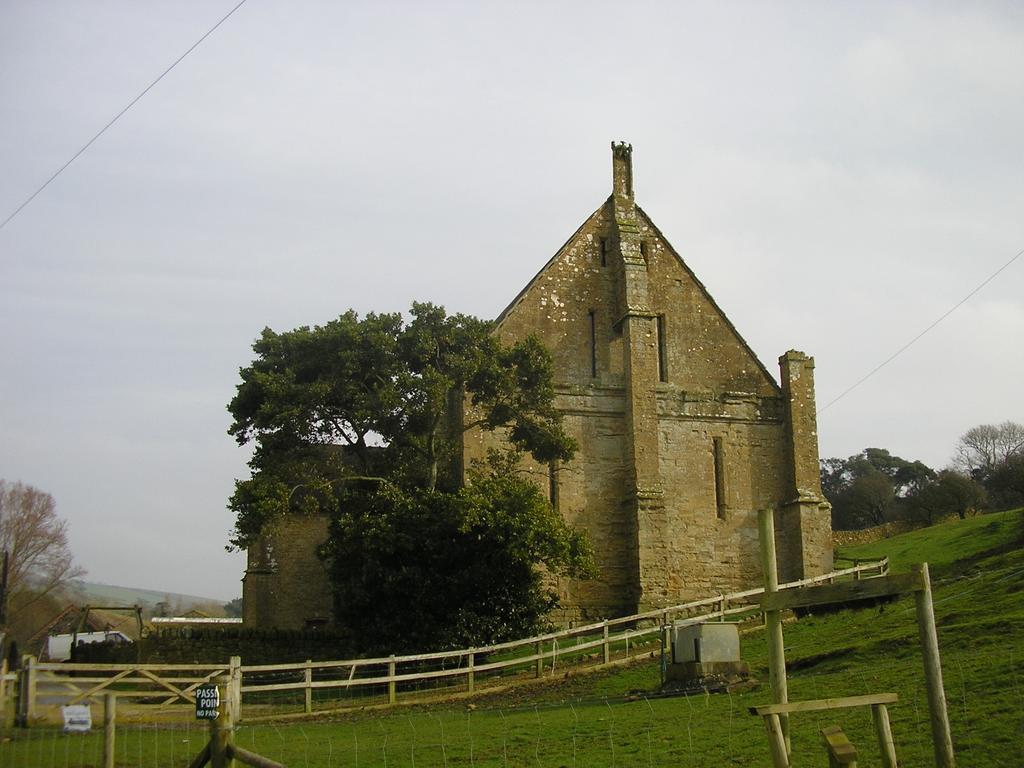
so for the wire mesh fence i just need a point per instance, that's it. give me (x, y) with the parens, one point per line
(642, 729)
(277, 690)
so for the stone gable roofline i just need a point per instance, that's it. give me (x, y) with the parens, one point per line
(519, 296)
(710, 298)
(610, 201)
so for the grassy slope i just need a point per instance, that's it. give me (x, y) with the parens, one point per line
(978, 570)
(978, 574)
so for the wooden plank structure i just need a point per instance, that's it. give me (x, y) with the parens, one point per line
(840, 751)
(157, 687)
(838, 745)
(776, 714)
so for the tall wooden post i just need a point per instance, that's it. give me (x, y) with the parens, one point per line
(470, 660)
(773, 620)
(222, 730)
(942, 739)
(109, 726)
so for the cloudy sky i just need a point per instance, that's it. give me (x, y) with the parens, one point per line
(838, 174)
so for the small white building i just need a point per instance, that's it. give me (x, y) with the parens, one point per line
(58, 647)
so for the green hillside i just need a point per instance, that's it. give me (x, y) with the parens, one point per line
(616, 718)
(969, 542)
(94, 593)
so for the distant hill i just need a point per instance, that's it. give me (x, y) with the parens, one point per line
(92, 593)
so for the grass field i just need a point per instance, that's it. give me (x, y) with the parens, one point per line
(615, 718)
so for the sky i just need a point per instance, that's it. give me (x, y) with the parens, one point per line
(839, 175)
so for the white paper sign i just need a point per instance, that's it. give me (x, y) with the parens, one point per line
(77, 718)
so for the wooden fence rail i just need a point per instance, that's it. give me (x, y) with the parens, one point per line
(269, 689)
(613, 639)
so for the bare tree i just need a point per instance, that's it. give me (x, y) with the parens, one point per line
(39, 560)
(985, 447)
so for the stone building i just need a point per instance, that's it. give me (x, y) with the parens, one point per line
(684, 434)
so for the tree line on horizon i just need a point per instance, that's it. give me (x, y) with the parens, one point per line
(874, 487)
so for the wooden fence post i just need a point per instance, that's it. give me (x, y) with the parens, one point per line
(538, 651)
(773, 620)
(222, 730)
(235, 677)
(723, 601)
(392, 685)
(942, 740)
(109, 725)
(308, 677)
(885, 743)
(665, 646)
(6, 710)
(469, 670)
(607, 647)
(27, 689)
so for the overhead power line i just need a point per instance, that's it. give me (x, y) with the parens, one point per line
(910, 343)
(117, 117)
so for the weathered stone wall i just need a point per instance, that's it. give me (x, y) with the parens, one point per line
(684, 434)
(286, 585)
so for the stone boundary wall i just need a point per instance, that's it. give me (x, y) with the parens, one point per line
(868, 535)
(216, 646)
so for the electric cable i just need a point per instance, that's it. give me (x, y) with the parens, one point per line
(117, 117)
(910, 343)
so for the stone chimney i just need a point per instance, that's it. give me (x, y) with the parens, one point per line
(622, 169)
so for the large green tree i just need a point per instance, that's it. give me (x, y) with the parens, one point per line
(865, 489)
(420, 568)
(361, 419)
(949, 492)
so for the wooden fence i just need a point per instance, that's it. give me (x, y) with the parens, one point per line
(152, 690)
(276, 690)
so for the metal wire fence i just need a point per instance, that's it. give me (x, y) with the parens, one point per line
(644, 729)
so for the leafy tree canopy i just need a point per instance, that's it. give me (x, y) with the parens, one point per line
(420, 568)
(360, 419)
(371, 396)
(866, 488)
(949, 492)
